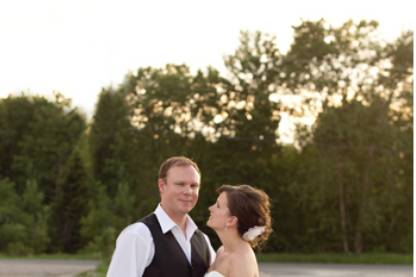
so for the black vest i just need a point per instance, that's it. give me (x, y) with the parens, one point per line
(169, 259)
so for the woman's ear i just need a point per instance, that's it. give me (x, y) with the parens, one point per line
(232, 221)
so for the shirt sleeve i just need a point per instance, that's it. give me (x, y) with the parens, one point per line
(134, 252)
(211, 249)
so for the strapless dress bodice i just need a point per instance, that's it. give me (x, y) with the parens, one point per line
(213, 274)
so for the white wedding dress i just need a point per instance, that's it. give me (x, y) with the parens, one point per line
(213, 274)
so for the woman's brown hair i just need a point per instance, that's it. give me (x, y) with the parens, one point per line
(251, 206)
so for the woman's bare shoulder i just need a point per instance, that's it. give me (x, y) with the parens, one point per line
(222, 262)
(243, 263)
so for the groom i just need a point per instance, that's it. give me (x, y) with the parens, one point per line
(166, 242)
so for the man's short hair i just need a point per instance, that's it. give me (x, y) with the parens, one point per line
(176, 161)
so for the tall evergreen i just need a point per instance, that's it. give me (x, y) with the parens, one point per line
(70, 205)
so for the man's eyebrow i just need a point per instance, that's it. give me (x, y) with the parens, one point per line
(182, 182)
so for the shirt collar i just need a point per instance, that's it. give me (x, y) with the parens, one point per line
(167, 224)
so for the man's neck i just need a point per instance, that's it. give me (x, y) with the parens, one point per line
(179, 219)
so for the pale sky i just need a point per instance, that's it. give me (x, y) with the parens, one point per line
(77, 47)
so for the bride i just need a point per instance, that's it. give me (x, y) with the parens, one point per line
(241, 219)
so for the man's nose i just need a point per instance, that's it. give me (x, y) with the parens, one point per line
(187, 189)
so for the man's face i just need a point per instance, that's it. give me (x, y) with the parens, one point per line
(179, 190)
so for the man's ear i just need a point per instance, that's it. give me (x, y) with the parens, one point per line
(161, 184)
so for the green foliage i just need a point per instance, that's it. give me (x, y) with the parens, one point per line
(358, 164)
(12, 229)
(108, 139)
(123, 207)
(23, 220)
(36, 138)
(37, 220)
(345, 185)
(96, 224)
(70, 205)
(337, 258)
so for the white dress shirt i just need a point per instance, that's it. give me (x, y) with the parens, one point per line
(135, 248)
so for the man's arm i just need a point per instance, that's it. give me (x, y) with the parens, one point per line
(134, 252)
(211, 249)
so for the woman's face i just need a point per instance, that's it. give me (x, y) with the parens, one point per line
(219, 213)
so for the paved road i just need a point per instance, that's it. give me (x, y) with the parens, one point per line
(70, 268)
(44, 268)
(331, 270)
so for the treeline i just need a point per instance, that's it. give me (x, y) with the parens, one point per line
(346, 185)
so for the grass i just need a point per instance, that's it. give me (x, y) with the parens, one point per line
(59, 256)
(99, 272)
(367, 258)
(330, 258)
(101, 268)
(333, 258)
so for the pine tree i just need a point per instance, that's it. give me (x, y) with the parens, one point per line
(70, 205)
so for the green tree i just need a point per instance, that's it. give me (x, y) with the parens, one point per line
(161, 117)
(23, 219)
(97, 226)
(109, 137)
(361, 91)
(70, 205)
(357, 167)
(398, 81)
(37, 237)
(124, 207)
(36, 137)
(12, 228)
